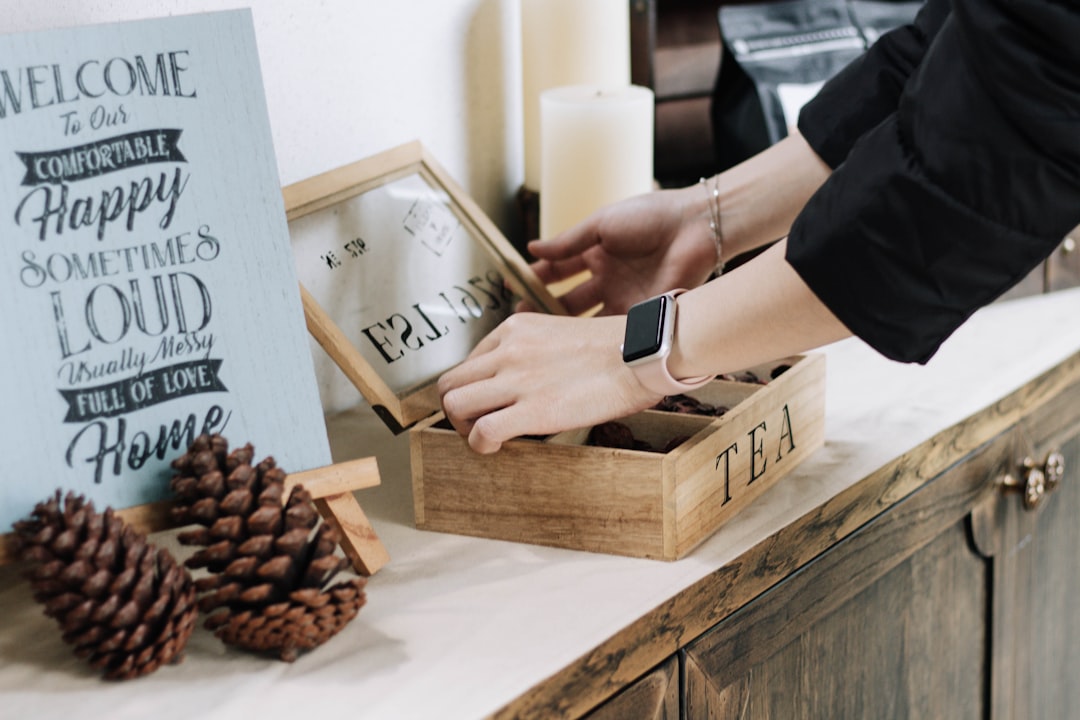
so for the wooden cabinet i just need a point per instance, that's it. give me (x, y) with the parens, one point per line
(891, 622)
(958, 601)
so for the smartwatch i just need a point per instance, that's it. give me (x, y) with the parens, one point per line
(650, 332)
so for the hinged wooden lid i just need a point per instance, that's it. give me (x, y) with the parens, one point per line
(401, 274)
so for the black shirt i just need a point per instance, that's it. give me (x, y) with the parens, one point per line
(955, 144)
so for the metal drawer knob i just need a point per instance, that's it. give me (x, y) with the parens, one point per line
(1054, 468)
(1035, 481)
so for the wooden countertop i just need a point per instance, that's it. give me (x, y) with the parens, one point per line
(459, 627)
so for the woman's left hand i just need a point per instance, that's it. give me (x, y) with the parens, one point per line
(541, 374)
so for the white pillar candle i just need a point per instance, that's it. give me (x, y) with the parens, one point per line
(597, 148)
(569, 42)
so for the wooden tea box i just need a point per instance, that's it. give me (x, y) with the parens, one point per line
(403, 275)
(562, 492)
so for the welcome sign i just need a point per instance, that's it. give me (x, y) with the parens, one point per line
(147, 292)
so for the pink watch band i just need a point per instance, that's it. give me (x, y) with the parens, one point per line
(655, 375)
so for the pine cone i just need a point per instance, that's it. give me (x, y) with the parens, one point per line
(126, 606)
(267, 571)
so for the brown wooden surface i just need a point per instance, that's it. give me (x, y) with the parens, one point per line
(337, 478)
(892, 622)
(597, 675)
(559, 495)
(919, 663)
(793, 402)
(332, 490)
(358, 539)
(655, 696)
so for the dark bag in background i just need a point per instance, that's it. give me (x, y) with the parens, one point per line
(776, 55)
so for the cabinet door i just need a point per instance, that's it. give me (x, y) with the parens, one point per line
(652, 697)
(892, 622)
(1044, 567)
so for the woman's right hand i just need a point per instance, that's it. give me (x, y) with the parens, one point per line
(634, 249)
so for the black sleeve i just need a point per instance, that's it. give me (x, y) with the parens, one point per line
(867, 91)
(963, 190)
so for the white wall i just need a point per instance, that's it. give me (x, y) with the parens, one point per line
(346, 79)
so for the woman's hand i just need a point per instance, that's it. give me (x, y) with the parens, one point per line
(541, 374)
(634, 249)
(662, 240)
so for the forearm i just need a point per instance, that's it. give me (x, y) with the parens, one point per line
(541, 374)
(760, 198)
(760, 312)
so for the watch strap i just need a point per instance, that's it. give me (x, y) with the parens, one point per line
(657, 377)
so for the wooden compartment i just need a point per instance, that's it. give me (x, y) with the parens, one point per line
(563, 493)
(385, 245)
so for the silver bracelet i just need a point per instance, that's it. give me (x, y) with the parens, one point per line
(714, 222)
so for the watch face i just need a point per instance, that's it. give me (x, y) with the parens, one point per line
(645, 328)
